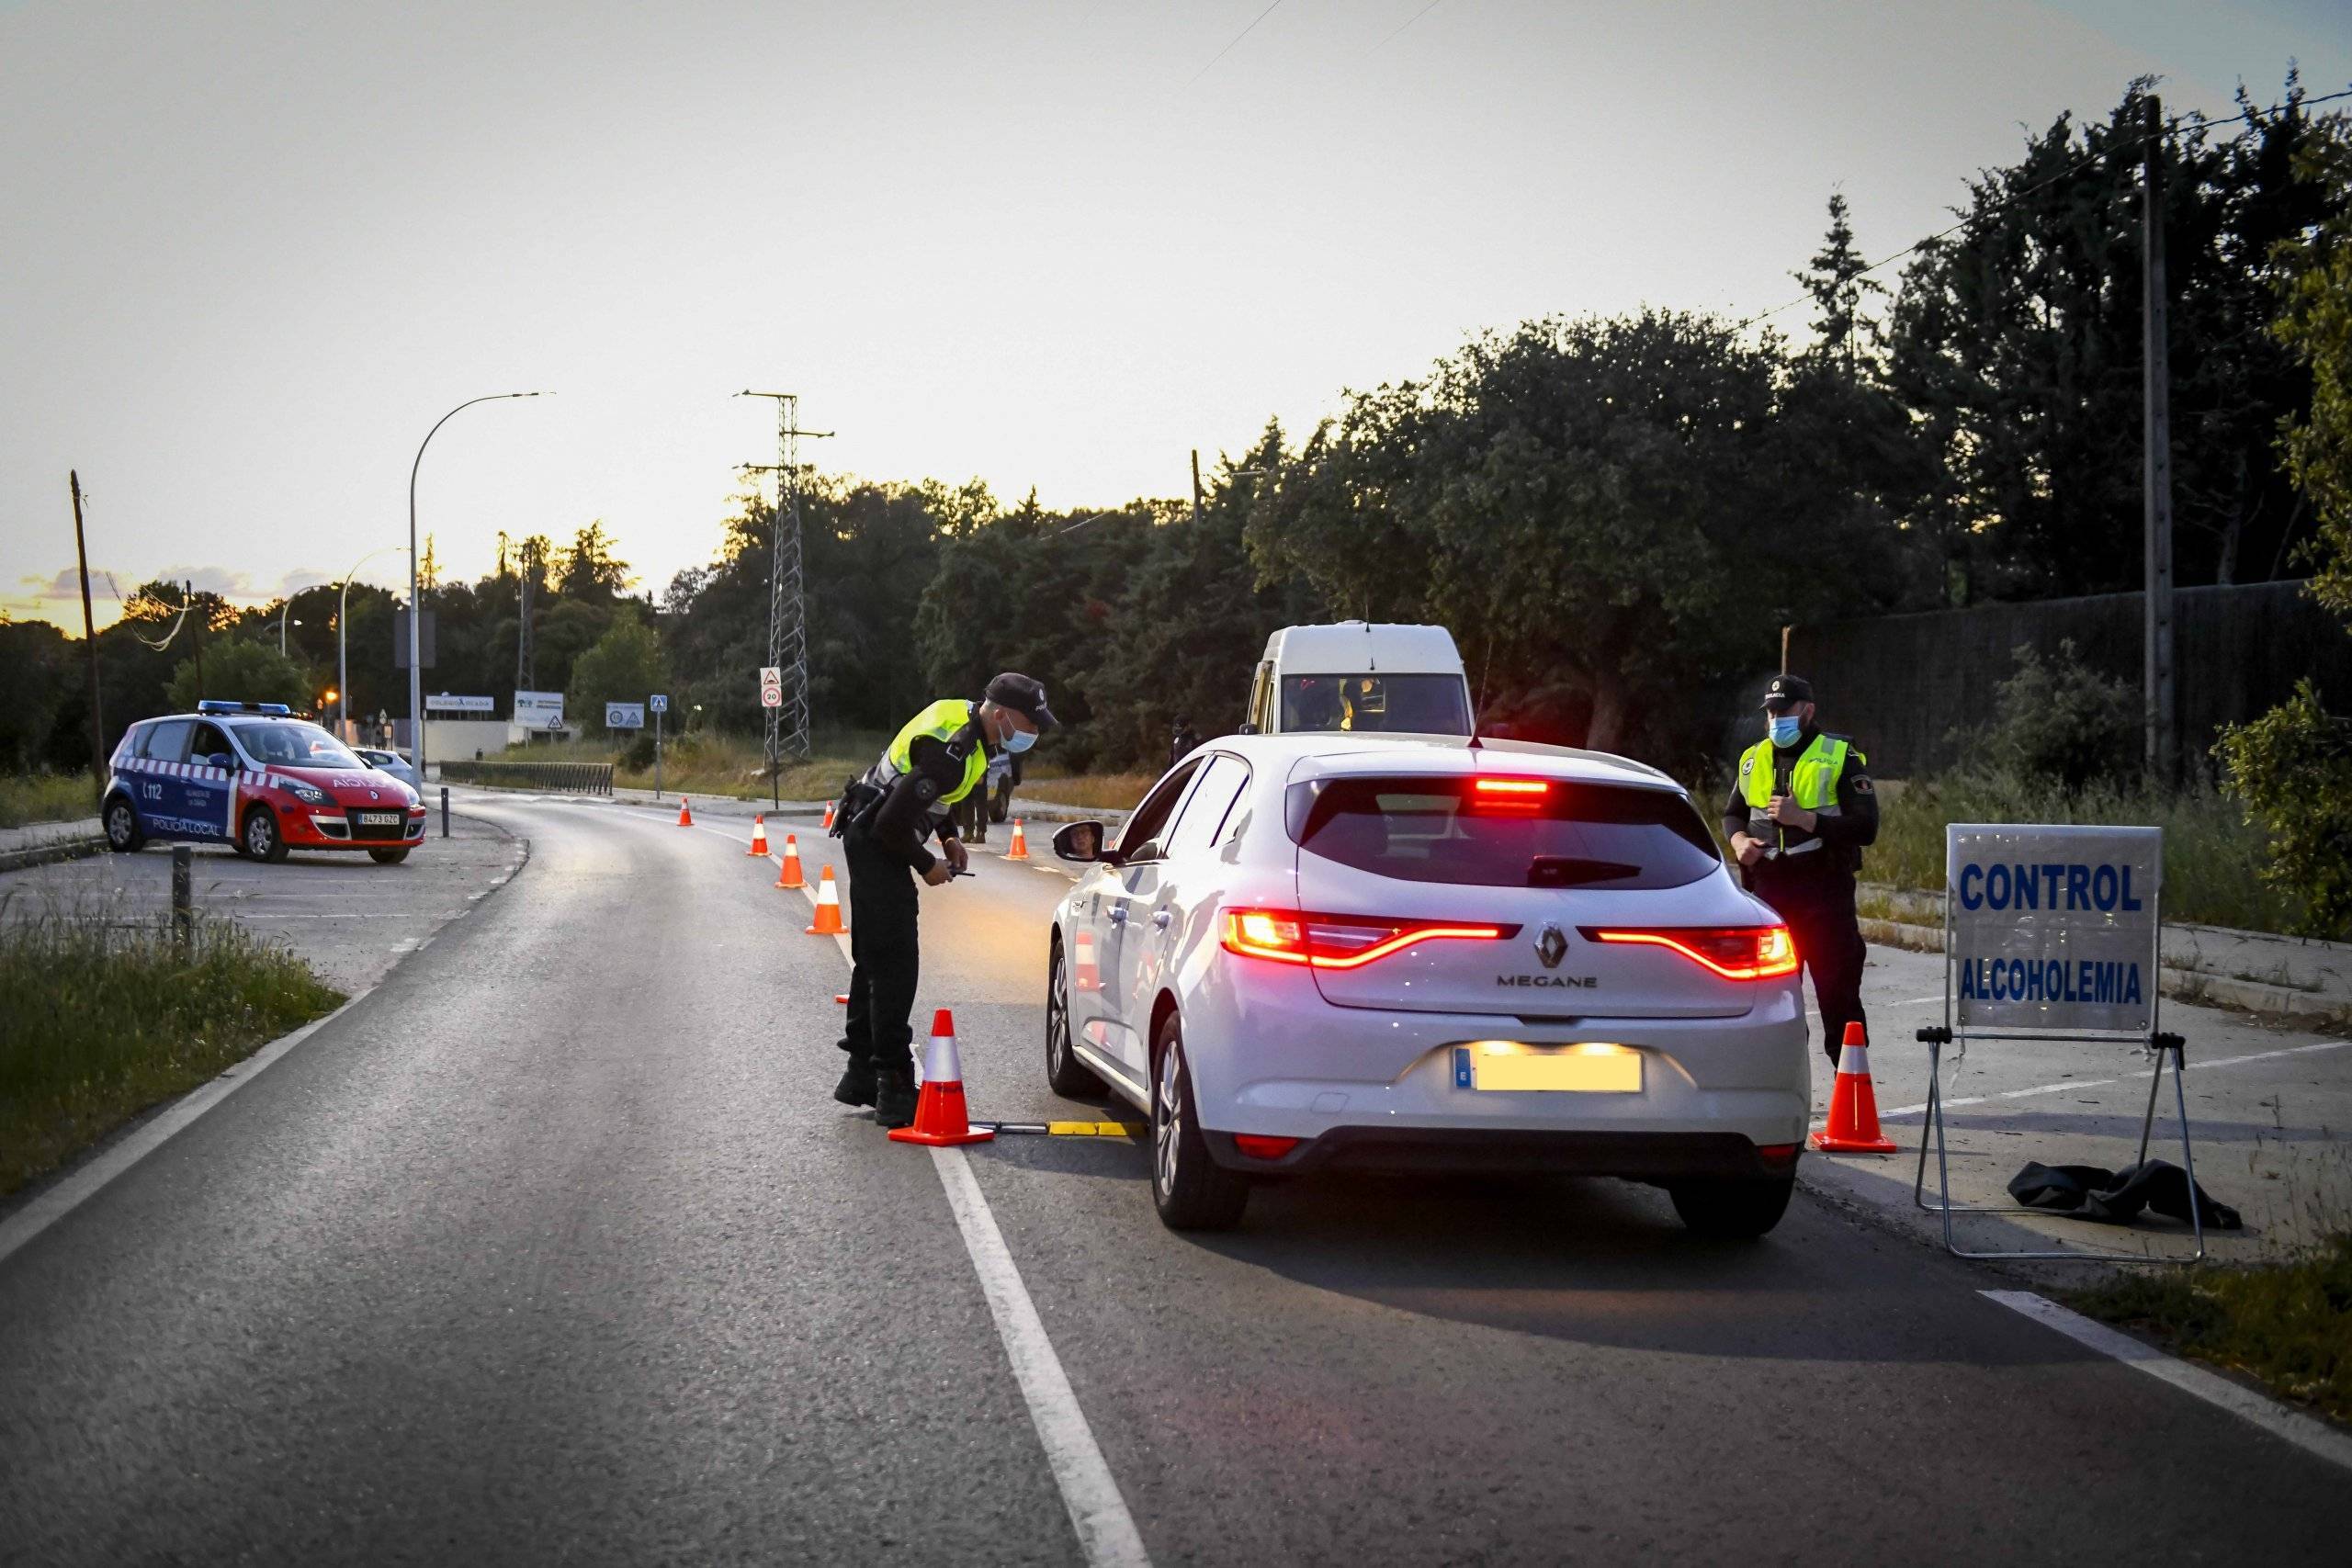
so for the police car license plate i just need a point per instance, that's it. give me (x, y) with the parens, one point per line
(1511, 1067)
(379, 820)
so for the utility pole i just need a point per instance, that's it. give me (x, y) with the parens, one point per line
(787, 726)
(1196, 485)
(187, 597)
(2163, 756)
(89, 641)
(534, 564)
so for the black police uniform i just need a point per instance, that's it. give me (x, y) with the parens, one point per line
(1813, 892)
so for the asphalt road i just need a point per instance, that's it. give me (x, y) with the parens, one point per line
(555, 1248)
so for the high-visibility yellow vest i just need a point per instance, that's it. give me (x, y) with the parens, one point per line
(943, 720)
(1813, 784)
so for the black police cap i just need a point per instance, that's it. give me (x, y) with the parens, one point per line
(1787, 691)
(1024, 696)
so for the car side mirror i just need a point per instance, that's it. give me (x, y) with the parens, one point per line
(1083, 842)
(218, 760)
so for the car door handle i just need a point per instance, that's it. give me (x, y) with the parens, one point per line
(1161, 919)
(1118, 916)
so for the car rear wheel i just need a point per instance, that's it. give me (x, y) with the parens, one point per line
(123, 836)
(1191, 1191)
(388, 857)
(259, 836)
(1733, 1210)
(1065, 1074)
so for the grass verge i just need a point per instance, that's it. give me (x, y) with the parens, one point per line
(2287, 1325)
(1092, 792)
(45, 797)
(720, 765)
(100, 1019)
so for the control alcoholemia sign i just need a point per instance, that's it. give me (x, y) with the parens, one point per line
(2054, 927)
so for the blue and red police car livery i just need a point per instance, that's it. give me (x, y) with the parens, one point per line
(256, 777)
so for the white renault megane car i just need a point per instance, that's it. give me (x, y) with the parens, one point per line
(1337, 952)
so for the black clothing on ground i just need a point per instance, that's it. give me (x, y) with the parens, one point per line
(884, 955)
(2116, 1198)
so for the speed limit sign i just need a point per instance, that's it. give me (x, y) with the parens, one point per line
(771, 686)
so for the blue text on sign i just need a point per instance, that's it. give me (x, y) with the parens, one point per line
(2055, 885)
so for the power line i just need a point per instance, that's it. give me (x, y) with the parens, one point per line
(1237, 39)
(1400, 27)
(2175, 127)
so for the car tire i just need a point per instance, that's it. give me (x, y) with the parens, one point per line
(1065, 1074)
(1732, 1210)
(259, 836)
(388, 857)
(123, 836)
(1001, 802)
(1191, 1191)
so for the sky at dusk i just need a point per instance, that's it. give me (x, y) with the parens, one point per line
(248, 255)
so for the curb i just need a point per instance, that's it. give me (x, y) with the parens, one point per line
(60, 849)
(2183, 984)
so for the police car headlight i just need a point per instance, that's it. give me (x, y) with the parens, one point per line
(309, 795)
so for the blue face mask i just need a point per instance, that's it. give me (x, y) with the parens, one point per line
(1020, 740)
(1786, 727)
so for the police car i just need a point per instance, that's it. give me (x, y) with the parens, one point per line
(256, 777)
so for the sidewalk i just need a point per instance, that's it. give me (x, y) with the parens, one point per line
(40, 841)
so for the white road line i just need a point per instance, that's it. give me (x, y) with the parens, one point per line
(2195, 1067)
(83, 1184)
(1106, 1531)
(2311, 1437)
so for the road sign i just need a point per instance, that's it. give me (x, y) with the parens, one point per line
(539, 710)
(2053, 927)
(659, 703)
(442, 702)
(771, 686)
(624, 716)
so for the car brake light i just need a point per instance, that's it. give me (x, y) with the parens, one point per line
(1513, 787)
(1337, 942)
(1258, 1147)
(1735, 953)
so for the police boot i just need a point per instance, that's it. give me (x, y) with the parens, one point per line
(856, 1087)
(894, 1098)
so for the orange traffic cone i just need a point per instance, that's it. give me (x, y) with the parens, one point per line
(939, 1109)
(1853, 1103)
(828, 823)
(829, 909)
(787, 875)
(685, 817)
(759, 833)
(1020, 849)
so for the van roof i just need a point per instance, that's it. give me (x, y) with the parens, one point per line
(1361, 647)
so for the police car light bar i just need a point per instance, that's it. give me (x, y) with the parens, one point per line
(214, 704)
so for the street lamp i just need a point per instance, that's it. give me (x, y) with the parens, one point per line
(415, 611)
(342, 620)
(281, 627)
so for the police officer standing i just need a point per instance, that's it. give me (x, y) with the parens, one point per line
(940, 757)
(1799, 817)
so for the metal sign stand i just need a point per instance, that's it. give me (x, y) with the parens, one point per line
(2155, 1042)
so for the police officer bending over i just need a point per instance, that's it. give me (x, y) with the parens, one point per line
(940, 757)
(1799, 817)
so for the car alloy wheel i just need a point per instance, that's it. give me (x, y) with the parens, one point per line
(1167, 1120)
(1065, 1074)
(122, 827)
(262, 838)
(1191, 1191)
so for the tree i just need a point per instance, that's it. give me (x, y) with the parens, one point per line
(1838, 278)
(625, 666)
(241, 670)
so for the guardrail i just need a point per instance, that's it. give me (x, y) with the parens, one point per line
(576, 778)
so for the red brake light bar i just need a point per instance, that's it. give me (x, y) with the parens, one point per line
(1513, 787)
(1735, 953)
(1337, 942)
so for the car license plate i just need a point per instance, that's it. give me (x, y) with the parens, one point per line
(379, 820)
(1511, 1067)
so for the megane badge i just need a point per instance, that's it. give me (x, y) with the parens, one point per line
(1551, 946)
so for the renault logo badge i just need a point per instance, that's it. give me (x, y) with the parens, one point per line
(1551, 946)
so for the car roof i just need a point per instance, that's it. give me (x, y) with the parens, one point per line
(1325, 753)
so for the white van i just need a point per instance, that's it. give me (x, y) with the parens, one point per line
(1360, 676)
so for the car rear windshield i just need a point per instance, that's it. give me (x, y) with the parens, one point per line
(1406, 705)
(1541, 833)
(295, 745)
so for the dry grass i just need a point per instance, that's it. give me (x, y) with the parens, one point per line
(45, 797)
(1092, 792)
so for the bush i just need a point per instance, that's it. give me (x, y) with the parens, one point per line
(2293, 769)
(2062, 721)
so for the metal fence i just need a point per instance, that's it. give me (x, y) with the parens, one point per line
(1903, 684)
(574, 778)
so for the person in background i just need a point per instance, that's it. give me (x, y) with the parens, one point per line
(1183, 741)
(1800, 815)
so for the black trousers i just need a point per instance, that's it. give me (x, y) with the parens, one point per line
(885, 956)
(1820, 912)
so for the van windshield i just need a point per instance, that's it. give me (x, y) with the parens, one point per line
(1405, 704)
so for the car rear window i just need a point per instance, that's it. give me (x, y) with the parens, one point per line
(1562, 834)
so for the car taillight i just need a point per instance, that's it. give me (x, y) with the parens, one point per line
(1258, 1147)
(1337, 942)
(1735, 953)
